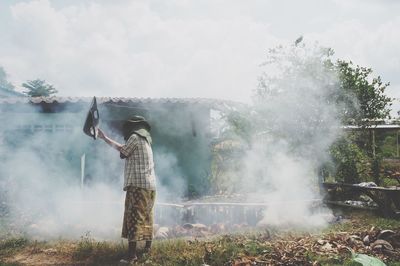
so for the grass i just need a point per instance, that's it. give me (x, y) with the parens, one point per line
(175, 252)
(218, 250)
(97, 253)
(12, 245)
(363, 220)
(335, 261)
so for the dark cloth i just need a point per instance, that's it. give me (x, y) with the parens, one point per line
(138, 215)
(138, 125)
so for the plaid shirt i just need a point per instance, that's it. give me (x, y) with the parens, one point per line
(139, 165)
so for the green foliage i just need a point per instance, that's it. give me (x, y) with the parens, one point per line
(240, 126)
(175, 252)
(366, 260)
(227, 152)
(372, 103)
(38, 88)
(376, 169)
(85, 246)
(218, 250)
(302, 94)
(4, 84)
(226, 166)
(388, 145)
(294, 100)
(324, 260)
(12, 245)
(98, 253)
(350, 162)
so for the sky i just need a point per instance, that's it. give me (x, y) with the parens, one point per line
(182, 48)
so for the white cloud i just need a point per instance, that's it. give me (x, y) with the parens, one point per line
(129, 50)
(371, 47)
(183, 48)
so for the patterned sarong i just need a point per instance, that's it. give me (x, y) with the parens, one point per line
(138, 215)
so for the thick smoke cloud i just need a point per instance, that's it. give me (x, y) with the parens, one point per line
(42, 194)
(294, 121)
(150, 49)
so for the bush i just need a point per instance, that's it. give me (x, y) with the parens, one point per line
(350, 162)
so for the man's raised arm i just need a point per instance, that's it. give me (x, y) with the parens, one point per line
(111, 142)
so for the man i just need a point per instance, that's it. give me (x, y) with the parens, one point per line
(139, 182)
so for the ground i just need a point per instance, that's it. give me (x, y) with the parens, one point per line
(357, 232)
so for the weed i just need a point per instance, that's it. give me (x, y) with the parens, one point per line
(323, 260)
(97, 253)
(11, 245)
(218, 250)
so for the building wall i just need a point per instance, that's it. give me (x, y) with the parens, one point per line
(181, 140)
(54, 133)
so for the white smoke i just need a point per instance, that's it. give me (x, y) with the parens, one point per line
(294, 121)
(41, 189)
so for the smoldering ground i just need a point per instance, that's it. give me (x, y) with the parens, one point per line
(41, 188)
(294, 120)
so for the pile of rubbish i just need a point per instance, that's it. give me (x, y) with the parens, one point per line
(361, 203)
(374, 247)
(196, 230)
(281, 248)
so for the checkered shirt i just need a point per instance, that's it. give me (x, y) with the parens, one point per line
(139, 165)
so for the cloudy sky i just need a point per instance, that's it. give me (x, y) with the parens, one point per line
(183, 48)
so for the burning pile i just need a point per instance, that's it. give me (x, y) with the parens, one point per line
(197, 230)
(311, 250)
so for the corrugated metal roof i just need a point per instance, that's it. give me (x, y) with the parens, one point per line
(216, 103)
(373, 127)
(106, 100)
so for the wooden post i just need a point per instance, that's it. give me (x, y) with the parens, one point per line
(83, 160)
(373, 143)
(397, 143)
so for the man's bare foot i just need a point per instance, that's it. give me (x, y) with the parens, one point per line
(128, 261)
(146, 250)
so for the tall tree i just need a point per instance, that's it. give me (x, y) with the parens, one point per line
(38, 88)
(371, 102)
(4, 83)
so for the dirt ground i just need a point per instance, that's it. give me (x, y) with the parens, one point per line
(360, 233)
(26, 257)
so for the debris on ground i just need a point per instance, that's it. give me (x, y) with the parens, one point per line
(363, 240)
(373, 245)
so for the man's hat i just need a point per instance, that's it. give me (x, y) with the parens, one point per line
(137, 124)
(137, 120)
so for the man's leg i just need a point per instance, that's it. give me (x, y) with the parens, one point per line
(148, 246)
(132, 257)
(150, 219)
(132, 250)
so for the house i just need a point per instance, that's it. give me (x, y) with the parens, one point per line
(51, 128)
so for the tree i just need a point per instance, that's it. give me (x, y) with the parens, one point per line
(303, 98)
(38, 88)
(372, 103)
(4, 84)
(351, 164)
(296, 97)
(359, 98)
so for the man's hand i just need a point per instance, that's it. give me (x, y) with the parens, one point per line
(100, 134)
(112, 143)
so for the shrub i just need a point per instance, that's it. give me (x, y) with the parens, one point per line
(350, 162)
